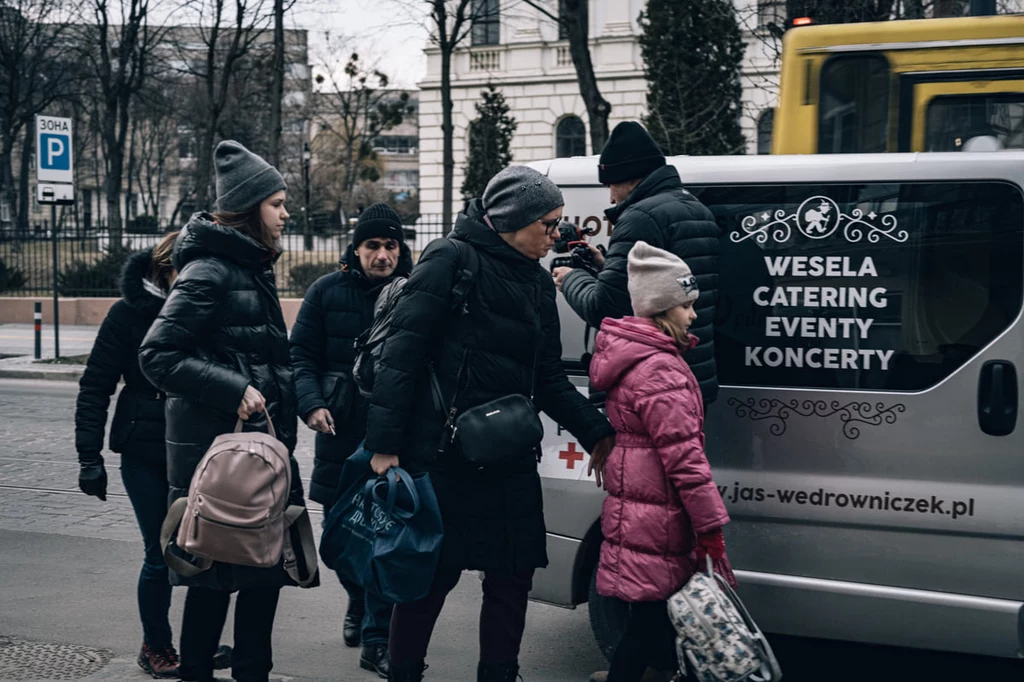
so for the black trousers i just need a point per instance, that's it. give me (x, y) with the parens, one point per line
(649, 641)
(206, 611)
(502, 617)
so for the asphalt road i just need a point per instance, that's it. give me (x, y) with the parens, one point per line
(69, 564)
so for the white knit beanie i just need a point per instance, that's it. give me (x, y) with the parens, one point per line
(658, 280)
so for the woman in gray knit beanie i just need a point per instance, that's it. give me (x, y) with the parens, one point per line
(250, 194)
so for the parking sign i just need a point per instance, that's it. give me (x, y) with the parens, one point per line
(54, 154)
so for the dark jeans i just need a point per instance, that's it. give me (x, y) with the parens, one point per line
(145, 480)
(502, 617)
(649, 640)
(205, 613)
(376, 613)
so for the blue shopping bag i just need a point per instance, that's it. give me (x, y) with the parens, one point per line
(384, 533)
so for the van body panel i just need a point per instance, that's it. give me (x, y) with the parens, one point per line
(865, 466)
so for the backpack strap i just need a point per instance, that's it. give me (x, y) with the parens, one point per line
(168, 531)
(297, 518)
(469, 266)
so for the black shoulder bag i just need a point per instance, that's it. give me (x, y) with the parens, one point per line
(497, 432)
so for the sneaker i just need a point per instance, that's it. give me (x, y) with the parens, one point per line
(222, 659)
(375, 659)
(159, 663)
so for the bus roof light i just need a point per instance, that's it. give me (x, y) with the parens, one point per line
(803, 21)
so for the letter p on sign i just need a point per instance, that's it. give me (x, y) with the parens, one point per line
(54, 152)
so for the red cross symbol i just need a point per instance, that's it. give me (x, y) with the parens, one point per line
(571, 456)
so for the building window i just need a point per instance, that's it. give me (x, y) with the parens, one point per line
(764, 131)
(771, 12)
(570, 137)
(188, 145)
(486, 22)
(396, 144)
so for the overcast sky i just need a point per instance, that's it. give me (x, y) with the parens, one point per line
(388, 33)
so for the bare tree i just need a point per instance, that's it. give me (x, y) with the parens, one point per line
(574, 17)
(118, 47)
(356, 109)
(277, 85)
(155, 142)
(34, 73)
(228, 31)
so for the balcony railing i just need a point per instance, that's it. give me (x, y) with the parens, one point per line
(485, 60)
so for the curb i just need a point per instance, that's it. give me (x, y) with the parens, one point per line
(52, 375)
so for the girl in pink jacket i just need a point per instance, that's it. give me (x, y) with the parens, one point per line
(663, 513)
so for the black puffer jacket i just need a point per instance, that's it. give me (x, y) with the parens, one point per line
(336, 310)
(138, 426)
(220, 330)
(493, 519)
(663, 214)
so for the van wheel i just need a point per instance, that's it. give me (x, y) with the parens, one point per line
(608, 618)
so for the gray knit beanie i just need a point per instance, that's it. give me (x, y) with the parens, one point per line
(658, 280)
(519, 196)
(243, 179)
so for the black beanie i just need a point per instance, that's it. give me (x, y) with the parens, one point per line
(381, 221)
(629, 154)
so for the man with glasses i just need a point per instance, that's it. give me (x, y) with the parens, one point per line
(338, 308)
(651, 205)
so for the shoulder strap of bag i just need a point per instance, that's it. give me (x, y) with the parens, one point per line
(168, 530)
(468, 267)
(298, 517)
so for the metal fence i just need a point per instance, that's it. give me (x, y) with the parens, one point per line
(87, 266)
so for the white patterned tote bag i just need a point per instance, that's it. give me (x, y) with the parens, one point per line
(717, 635)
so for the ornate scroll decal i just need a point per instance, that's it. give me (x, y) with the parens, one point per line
(853, 415)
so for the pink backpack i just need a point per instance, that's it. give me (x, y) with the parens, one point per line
(236, 511)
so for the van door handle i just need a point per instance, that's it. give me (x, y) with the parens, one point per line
(997, 398)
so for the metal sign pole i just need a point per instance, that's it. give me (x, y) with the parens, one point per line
(56, 304)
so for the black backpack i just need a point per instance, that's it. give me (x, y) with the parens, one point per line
(370, 344)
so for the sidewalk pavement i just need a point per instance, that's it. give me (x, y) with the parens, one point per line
(17, 352)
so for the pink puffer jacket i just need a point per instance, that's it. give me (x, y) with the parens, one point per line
(660, 492)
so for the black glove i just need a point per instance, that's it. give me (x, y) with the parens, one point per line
(92, 479)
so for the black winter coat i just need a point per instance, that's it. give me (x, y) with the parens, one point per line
(336, 310)
(138, 426)
(220, 330)
(508, 335)
(663, 214)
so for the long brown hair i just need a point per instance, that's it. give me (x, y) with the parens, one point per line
(248, 223)
(672, 330)
(160, 267)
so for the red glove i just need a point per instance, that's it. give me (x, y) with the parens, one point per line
(710, 544)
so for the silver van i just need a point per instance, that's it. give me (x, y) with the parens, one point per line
(865, 442)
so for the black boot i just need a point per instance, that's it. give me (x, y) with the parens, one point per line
(375, 659)
(407, 672)
(352, 630)
(497, 672)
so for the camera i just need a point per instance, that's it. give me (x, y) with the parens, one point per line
(572, 240)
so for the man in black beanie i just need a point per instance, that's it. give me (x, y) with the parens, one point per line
(337, 308)
(650, 205)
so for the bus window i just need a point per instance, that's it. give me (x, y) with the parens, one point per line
(953, 120)
(854, 106)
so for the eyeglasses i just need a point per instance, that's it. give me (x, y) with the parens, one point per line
(550, 226)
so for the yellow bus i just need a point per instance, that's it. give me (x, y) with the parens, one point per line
(927, 85)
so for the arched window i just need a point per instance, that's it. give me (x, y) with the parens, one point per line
(570, 137)
(764, 132)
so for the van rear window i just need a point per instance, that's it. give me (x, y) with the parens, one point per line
(874, 286)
